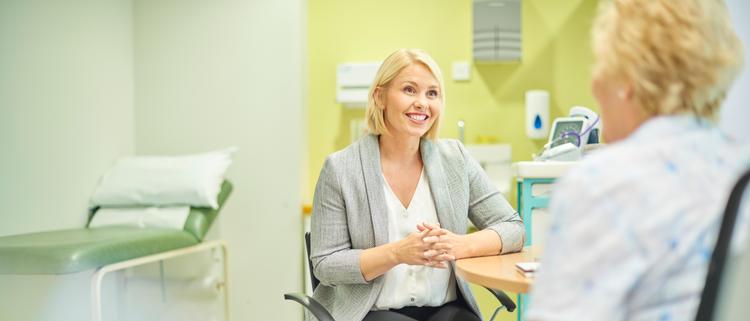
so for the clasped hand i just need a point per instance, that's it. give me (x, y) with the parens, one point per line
(431, 246)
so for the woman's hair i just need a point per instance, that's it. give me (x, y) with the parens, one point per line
(680, 56)
(390, 68)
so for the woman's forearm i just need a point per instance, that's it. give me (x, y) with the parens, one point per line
(481, 243)
(378, 260)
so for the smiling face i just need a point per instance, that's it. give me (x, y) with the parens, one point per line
(411, 102)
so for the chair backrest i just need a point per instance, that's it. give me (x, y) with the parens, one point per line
(725, 294)
(733, 294)
(313, 280)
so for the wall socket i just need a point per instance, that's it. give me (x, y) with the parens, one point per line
(461, 71)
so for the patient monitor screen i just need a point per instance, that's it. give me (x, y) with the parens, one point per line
(566, 126)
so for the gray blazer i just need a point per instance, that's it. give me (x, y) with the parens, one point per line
(349, 215)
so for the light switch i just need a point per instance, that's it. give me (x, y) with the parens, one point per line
(461, 71)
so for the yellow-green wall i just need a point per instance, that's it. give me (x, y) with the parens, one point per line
(556, 57)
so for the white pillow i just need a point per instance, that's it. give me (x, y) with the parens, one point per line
(193, 180)
(163, 217)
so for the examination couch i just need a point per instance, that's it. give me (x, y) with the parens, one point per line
(111, 248)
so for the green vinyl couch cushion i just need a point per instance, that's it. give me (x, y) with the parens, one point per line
(200, 219)
(74, 250)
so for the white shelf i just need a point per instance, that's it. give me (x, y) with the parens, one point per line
(547, 169)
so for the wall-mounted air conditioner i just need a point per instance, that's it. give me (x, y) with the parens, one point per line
(353, 81)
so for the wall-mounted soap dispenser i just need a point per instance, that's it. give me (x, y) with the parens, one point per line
(537, 114)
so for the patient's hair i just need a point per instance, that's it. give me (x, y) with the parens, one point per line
(680, 56)
(390, 68)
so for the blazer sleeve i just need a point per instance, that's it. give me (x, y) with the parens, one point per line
(334, 260)
(488, 209)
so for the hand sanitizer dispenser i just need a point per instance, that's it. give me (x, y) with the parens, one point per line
(537, 114)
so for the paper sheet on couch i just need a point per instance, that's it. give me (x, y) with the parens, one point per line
(172, 217)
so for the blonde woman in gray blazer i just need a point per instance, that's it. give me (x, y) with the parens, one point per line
(373, 262)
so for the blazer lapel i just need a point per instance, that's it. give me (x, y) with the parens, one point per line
(438, 185)
(369, 154)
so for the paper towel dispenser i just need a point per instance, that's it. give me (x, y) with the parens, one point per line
(353, 81)
(497, 30)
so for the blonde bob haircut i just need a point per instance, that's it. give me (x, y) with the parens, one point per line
(391, 67)
(681, 57)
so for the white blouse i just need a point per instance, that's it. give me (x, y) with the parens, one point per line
(413, 285)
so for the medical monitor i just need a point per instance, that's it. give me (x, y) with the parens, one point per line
(567, 130)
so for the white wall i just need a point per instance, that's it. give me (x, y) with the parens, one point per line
(735, 114)
(207, 74)
(66, 113)
(66, 97)
(211, 74)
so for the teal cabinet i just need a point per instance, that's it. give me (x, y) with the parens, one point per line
(534, 181)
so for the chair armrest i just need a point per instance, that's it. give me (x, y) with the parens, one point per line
(504, 299)
(311, 305)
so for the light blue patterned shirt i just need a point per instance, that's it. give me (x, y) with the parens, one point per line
(634, 224)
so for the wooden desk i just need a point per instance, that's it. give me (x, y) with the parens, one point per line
(499, 271)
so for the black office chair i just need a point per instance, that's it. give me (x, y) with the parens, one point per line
(322, 314)
(725, 294)
(309, 303)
